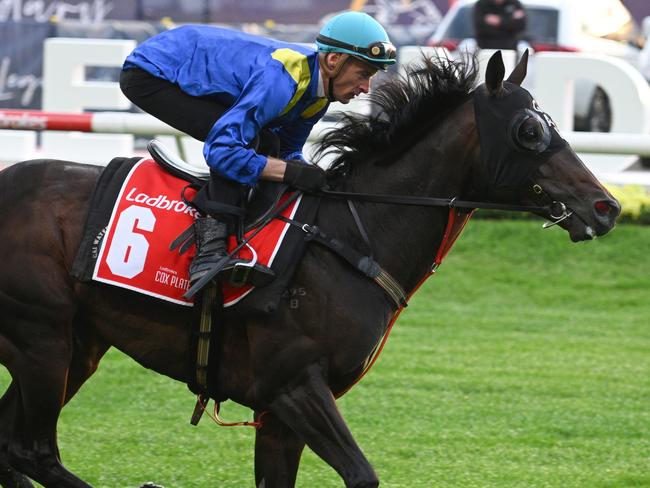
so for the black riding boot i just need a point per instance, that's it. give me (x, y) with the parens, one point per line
(210, 235)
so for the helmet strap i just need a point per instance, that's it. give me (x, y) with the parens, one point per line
(332, 73)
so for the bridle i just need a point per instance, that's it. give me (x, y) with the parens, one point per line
(565, 214)
(555, 211)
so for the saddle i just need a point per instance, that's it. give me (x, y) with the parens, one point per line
(262, 201)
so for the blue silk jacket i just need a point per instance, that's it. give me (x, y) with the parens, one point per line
(266, 83)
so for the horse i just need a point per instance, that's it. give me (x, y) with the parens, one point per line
(436, 134)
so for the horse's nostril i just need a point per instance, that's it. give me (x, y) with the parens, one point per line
(604, 207)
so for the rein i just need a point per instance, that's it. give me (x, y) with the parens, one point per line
(439, 202)
(556, 211)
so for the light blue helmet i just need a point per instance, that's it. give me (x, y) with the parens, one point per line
(357, 34)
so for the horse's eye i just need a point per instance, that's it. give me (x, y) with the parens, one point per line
(529, 132)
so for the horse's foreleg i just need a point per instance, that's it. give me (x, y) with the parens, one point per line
(307, 406)
(277, 454)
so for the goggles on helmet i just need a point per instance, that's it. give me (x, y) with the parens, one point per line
(377, 51)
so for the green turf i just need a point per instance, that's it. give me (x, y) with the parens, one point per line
(524, 363)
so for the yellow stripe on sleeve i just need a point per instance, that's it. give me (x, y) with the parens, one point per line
(314, 108)
(297, 66)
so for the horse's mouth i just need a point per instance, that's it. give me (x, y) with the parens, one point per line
(598, 223)
(578, 230)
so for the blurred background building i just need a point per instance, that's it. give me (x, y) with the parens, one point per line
(24, 24)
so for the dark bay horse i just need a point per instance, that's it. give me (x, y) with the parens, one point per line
(435, 137)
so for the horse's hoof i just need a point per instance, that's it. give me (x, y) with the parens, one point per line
(13, 479)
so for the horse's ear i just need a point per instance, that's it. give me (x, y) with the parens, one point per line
(519, 73)
(494, 74)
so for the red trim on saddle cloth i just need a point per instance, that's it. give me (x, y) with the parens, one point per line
(455, 224)
(148, 215)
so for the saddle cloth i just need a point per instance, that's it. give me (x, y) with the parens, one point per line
(137, 211)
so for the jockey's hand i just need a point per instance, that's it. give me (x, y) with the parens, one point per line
(305, 177)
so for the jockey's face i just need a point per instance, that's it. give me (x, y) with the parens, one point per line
(352, 80)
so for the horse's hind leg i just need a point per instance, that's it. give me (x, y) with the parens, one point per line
(307, 406)
(85, 358)
(9, 477)
(41, 373)
(277, 454)
(86, 355)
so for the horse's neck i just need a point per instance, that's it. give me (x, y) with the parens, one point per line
(405, 238)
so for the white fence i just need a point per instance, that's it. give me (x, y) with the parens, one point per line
(142, 124)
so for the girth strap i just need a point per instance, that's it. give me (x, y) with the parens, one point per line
(365, 264)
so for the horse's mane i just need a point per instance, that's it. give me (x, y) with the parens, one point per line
(403, 108)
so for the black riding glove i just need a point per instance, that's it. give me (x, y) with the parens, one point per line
(305, 177)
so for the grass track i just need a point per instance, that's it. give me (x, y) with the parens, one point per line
(524, 363)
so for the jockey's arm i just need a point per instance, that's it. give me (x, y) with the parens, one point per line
(226, 148)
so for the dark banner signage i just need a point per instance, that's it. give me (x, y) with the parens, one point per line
(21, 63)
(25, 24)
(87, 11)
(217, 11)
(288, 12)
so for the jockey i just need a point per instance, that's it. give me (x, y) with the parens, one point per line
(252, 101)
